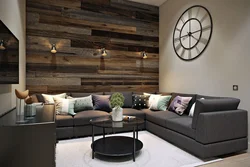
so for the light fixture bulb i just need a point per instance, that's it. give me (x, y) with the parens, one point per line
(144, 55)
(2, 45)
(53, 49)
(104, 52)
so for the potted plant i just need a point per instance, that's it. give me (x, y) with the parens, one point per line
(116, 102)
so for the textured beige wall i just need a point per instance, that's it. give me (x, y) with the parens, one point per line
(12, 13)
(225, 62)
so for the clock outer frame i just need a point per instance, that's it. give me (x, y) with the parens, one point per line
(201, 32)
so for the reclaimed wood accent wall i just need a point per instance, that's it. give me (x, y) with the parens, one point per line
(80, 28)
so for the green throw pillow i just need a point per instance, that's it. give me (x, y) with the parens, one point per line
(83, 103)
(160, 103)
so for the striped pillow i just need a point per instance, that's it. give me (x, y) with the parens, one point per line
(64, 106)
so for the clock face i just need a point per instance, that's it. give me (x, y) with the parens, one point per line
(192, 32)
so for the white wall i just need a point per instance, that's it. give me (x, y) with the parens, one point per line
(225, 62)
(13, 14)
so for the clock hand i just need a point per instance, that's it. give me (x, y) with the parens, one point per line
(194, 38)
(195, 31)
(184, 36)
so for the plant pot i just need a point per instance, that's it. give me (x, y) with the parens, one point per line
(117, 114)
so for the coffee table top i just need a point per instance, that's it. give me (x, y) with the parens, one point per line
(106, 122)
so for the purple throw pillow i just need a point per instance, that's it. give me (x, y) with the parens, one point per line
(101, 102)
(179, 104)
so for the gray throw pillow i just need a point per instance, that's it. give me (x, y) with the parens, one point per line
(83, 103)
(102, 102)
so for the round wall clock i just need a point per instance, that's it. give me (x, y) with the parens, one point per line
(192, 32)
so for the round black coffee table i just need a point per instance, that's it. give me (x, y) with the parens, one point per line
(116, 145)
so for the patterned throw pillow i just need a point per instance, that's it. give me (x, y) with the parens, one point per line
(152, 98)
(102, 102)
(49, 98)
(83, 103)
(140, 101)
(64, 106)
(179, 104)
(160, 103)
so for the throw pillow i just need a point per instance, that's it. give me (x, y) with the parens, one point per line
(140, 101)
(83, 103)
(64, 106)
(102, 102)
(152, 98)
(40, 98)
(191, 112)
(49, 98)
(160, 103)
(179, 104)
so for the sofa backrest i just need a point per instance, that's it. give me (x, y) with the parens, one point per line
(210, 97)
(213, 105)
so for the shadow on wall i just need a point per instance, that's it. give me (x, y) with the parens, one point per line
(5, 89)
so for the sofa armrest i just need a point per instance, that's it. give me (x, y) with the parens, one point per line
(213, 105)
(221, 126)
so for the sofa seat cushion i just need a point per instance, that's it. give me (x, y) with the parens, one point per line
(83, 118)
(133, 112)
(159, 117)
(64, 121)
(181, 125)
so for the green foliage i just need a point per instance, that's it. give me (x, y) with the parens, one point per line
(117, 100)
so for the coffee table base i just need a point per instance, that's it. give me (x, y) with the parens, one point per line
(116, 146)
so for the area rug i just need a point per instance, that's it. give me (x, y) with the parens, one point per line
(155, 152)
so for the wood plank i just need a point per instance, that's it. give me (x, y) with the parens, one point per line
(102, 88)
(75, 4)
(39, 67)
(129, 46)
(59, 28)
(97, 2)
(76, 60)
(134, 43)
(98, 45)
(87, 24)
(53, 81)
(93, 76)
(32, 18)
(37, 89)
(134, 6)
(41, 8)
(146, 32)
(108, 18)
(124, 36)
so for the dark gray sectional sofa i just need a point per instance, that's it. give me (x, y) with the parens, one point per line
(218, 127)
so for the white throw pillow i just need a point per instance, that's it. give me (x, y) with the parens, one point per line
(191, 112)
(152, 98)
(64, 106)
(49, 98)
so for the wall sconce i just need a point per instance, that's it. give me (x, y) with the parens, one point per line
(104, 52)
(53, 49)
(144, 55)
(2, 45)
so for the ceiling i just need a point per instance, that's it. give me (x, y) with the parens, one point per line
(151, 2)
